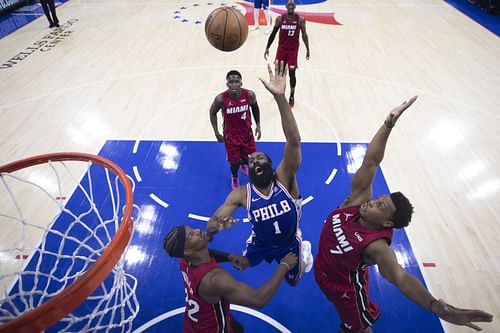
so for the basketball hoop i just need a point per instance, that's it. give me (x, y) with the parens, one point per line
(48, 289)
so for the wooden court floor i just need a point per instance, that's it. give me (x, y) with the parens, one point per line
(131, 70)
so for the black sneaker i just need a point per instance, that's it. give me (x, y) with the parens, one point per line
(291, 101)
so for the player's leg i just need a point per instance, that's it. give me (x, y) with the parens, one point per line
(257, 4)
(248, 148)
(45, 7)
(292, 67)
(52, 8)
(267, 13)
(233, 157)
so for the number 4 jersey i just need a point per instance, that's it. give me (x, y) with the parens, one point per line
(201, 316)
(237, 119)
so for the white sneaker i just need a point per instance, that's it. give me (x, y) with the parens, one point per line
(268, 30)
(307, 256)
(255, 27)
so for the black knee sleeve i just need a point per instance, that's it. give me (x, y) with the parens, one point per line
(293, 80)
(234, 168)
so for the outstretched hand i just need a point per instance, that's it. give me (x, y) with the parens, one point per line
(277, 80)
(395, 113)
(462, 317)
(219, 223)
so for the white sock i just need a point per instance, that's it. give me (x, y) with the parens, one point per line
(256, 16)
(267, 13)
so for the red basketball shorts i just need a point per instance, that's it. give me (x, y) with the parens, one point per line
(288, 56)
(239, 148)
(356, 311)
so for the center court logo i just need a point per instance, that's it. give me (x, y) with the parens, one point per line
(196, 13)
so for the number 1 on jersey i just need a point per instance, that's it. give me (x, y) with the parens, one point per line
(276, 228)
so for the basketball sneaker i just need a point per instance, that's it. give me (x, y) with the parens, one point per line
(255, 27)
(268, 30)
(307, 256)
(244, 169)
(235, 182)
(291, 101)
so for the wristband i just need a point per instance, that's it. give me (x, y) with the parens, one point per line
(432, 302)
(286, 265)
(387, 124)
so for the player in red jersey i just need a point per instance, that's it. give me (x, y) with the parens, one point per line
(358, 234)
(290, 25)
(238, 138)
(209, 288)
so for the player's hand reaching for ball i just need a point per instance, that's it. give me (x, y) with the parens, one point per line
(277, 80)
(395, 113)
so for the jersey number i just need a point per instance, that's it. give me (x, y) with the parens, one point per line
(192, 307)
(276, 228)
(291, 33)
(244, 115)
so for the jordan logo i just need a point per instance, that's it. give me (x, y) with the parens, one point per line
(347, 215)
(345, 296)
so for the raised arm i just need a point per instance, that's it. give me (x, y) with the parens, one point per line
(276, 28)
(255, 113)
(361, 184)
(380, 253)
(219, 283)
(222, 217)
(305, 38)
(292, 155)
(217, 104)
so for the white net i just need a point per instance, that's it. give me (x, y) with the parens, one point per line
(55, 226)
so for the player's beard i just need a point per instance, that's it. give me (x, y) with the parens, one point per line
(265, 178)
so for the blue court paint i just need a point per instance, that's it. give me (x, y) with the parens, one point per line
(193, 177)
(489, 21)
(22, 16)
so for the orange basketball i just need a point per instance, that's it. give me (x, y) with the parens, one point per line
(226, 29)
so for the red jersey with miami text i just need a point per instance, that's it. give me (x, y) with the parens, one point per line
(201, 316)
(342, 242)
(289, 32)
(237, 119)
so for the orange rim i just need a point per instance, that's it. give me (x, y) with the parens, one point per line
(50, 312)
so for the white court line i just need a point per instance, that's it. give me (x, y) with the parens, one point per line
(159, 319)
(158, 200)
(326, 120)
(136, 173)
(330, 178)
(136, 146)
(177, 69)
(307, 200)
(198, 217)
(251, 312)
(205, 218)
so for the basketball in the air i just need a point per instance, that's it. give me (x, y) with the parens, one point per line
(226, 28)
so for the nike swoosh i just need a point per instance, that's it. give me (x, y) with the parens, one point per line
(255, 199)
